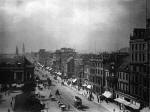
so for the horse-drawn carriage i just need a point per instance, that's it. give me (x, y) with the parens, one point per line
(77, 102)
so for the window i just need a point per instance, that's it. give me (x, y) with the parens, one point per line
(143, 57)
(144, 69)
(134, 68)
(132, 47)
(140, 47)
(135, 56)
(140, 57)
(143, 46)
(135, 46)
(132, 57)
(123, 75)
(127, 77)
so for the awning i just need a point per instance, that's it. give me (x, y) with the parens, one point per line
(122, 101)
(89, 86)
(107, 94)
(59, 73)
(74, 80)
(84, 85)
(137, 106)
(58, 78)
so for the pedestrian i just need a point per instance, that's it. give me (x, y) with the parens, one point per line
(11, 103)
(68, 107)
(113, 110)
(8, 110)
(97, 98)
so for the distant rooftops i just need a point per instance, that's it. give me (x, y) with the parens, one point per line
(14, 61)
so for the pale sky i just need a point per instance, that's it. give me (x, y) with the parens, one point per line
(86, 25)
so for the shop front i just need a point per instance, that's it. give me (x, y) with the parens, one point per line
(126, 103)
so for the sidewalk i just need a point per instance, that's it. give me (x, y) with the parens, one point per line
(110, 106)
(5, 101)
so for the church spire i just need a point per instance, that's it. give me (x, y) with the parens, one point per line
(23, 49)
(17, 51)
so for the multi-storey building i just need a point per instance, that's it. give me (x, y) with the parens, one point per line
(112, 63)
(61, 57)
(96, 74)
(139, 65)
(70, 71)
(123, 87)
(42, 56)
(45, 57)
(79, 71)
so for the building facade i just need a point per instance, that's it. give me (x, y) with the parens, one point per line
(61, 57)
(96, 74)
(70, 71)
(139, 65)
(15, 70)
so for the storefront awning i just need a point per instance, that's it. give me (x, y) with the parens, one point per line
(137, 106)
(74, 80)
(59, 73)
(58, 78)
(107, 94)
(122, 101)
(84, 85)
(89, 86)
(134, 106)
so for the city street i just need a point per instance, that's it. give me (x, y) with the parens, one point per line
(74, 56)
(67, 95)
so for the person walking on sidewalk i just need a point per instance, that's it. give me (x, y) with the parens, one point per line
(8, 110)
(97, 98)
(11, 104)
(68, 107)
(114, 110)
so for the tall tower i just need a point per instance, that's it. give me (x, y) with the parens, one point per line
(17, 51)
(23, 49)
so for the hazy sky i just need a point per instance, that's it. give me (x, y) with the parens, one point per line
(85, 25)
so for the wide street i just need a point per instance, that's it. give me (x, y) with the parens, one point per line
(67, 95)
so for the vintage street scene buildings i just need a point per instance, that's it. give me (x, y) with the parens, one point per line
(75, 56)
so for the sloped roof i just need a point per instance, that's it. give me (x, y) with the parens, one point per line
(14, 61)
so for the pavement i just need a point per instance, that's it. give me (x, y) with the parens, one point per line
(67, 95)
(5, 101)
(111, 107)
(68, 92)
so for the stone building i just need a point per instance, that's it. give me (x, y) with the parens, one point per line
(140, 56)
(61, 57)
(15, 70)
(96, 73)
(70, 65)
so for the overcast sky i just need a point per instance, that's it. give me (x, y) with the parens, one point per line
(86, 25)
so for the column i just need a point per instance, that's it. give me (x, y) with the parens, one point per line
(22, 76)
(14, 76)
